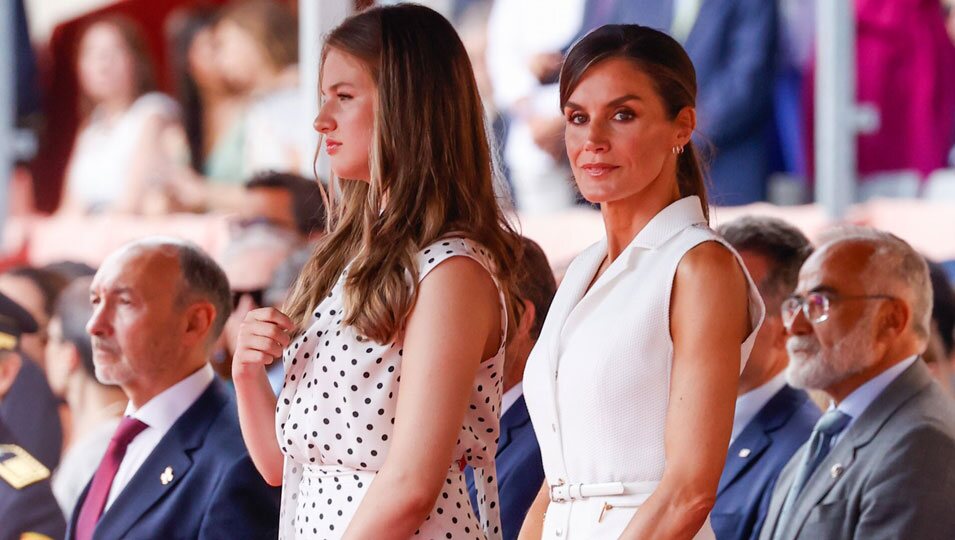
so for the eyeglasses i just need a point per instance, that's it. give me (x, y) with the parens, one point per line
(255, 294)
(815, 306)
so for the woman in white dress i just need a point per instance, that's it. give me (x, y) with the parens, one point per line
(120, 159)
(393, 343)
(632, 384)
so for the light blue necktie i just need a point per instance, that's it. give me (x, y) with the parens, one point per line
(831, 424)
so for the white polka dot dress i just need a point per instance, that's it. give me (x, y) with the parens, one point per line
(336, 414)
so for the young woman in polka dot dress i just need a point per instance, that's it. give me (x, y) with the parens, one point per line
(394, 336)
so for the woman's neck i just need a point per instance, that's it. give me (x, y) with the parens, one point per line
(625, 218)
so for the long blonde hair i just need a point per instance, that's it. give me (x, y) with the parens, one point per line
(431, 174)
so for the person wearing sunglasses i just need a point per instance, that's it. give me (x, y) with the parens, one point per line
(878, 462)
(250, 261)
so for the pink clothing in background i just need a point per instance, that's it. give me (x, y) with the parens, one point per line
(906, 67)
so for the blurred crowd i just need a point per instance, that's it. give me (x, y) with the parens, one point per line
(227, 106)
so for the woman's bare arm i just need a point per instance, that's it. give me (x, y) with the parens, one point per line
(454, 326)
(708, 324)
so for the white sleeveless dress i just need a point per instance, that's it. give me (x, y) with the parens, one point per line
(597, 382)
(336, 414)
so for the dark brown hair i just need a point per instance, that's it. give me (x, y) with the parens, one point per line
(431, 173)
(666, 63)
(144, 74)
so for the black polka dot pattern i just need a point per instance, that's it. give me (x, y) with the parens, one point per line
(335, 420)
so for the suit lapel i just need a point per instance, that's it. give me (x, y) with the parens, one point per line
(780, 490)
(834, 466)
(172, 455)
(744, 451)
(756, 437)
(574, 285)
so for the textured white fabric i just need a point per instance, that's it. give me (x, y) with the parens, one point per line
(597, 382)
(335, 418)
(103, 153)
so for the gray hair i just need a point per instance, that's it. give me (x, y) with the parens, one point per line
(782, 244)
(894, 268)
(201, 278)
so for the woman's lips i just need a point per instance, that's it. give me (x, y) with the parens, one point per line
(598, 169)
(332, 146)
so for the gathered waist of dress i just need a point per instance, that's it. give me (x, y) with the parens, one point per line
(313, 470)
(325, 471)
(634, 492)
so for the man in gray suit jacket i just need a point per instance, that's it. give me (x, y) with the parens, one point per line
(879, 463)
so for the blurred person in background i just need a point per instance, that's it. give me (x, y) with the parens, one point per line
(938, 355)
(212, 107)
(522, 60)
(121, 157)
(33, 413)
(772, 419)
(70, 270)
(36, 290)
(287, 201)
(95, 408)
(249, 261)
(257, 55)
(906, 70)
(733, 45)
(518, 459)
(277, 293)
(28, 509)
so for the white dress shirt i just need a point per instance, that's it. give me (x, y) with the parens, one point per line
(749, 404)
(511, 396)
(159, 413)
(859, 400)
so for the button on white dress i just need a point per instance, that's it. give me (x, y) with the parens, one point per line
(336, 414)
(597, 383)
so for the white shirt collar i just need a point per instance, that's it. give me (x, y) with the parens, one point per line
(511, 397)
(859, 400)
(749, 404)
(162, 411)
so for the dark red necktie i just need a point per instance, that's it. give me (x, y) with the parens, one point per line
(95, 501)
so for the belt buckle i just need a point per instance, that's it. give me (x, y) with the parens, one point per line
(554, 497)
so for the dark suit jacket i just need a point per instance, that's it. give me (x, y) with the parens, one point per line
(891, 475)
(756, 458)
(733, 47)
(215, 492)
(31, 508)
(520, 472)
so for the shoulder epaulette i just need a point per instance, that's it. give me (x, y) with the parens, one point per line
(18, 468)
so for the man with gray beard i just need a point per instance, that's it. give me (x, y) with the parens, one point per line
(879, 461)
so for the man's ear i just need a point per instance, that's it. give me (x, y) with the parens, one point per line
(527, 318)
(894, 318)
(200, 318)
(10, 363)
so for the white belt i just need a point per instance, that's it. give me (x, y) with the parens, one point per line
(564, 492)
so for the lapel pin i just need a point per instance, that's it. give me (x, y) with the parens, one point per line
(166, 476)
(836, 470)
(744, 453)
